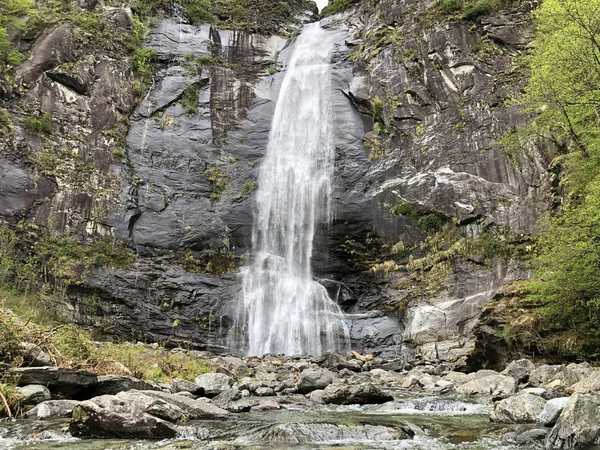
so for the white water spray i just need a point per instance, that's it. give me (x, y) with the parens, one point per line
(282, 309)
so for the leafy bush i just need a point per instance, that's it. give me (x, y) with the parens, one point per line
(10, 340)
(189, 98)
(336, 6)
(474, 9)
(142, 63)
(40, 126)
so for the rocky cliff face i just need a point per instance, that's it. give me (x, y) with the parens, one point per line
(421, 101)
(439, 90)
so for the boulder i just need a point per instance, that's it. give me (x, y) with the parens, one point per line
(113, 384)
(361, 394)
(35, 356)
(266, 405)
(524, 408)
(579, 424)
(265, 392)
(54, 376)
(553, 375)
(523, 436)
(387, 377)
(588, 385)
(94, 420)
(139, 414)
(457, 378)
(33, 394)
(291, 434)
(552, 411)
(312, 379)
(227, 400)
(316, 396)
(335, 361)
(214, 383)
(519, 370)
(481, 374)
(181, 385)
(52, 409)
(494, 385)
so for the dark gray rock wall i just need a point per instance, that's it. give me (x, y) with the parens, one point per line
(182, 196)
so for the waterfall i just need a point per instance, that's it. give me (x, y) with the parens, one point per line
(282, 309)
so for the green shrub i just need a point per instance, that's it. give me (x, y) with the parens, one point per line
(402, 209)
(432, 222)
(87, 21)
(10, 341)
(336, 6)
(452, 6)
(189, 98)
(219, 182)
(72, 343)
(40, 126)
(475, 9)
(141, 60)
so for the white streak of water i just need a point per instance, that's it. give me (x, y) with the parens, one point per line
(282, 309)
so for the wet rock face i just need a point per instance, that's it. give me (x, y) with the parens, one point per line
(436, 96)
(196, 140)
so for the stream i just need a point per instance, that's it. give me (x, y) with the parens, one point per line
(409, 422)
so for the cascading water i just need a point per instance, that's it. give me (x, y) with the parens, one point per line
(282, 309)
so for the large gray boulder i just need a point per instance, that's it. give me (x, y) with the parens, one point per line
(552, 411)
(52, 409)
(494, 385)
(524, 408)
(113, 384)
(567, 376)
(312, 379)
(139, 414)
(33, 394)
(519, 370)
(181, 385)
(291, 434)
(54, 376)
(35, 356)
(214, 383)
(588, 385)
(457, 378)
(357, 394)
(579, 424)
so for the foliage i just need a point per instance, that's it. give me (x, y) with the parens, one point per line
(336, 6)
(568, 260)
(39, 259)
(11, 14)
(248, 187)
(563, 93)
(190, 263)
(427, 220)
(564, 88)
(263, 16)
(142, 63)
(40, 126)
(10, 340)
(189, 98)
(473, 9)
(219, 182)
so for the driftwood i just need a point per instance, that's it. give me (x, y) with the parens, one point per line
(8, 411)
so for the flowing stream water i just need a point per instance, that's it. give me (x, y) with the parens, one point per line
(282, 309)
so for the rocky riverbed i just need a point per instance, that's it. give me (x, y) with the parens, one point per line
(332, 401)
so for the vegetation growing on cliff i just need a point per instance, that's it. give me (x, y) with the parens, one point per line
(336, 6)
(262, 16)
(562, 302)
